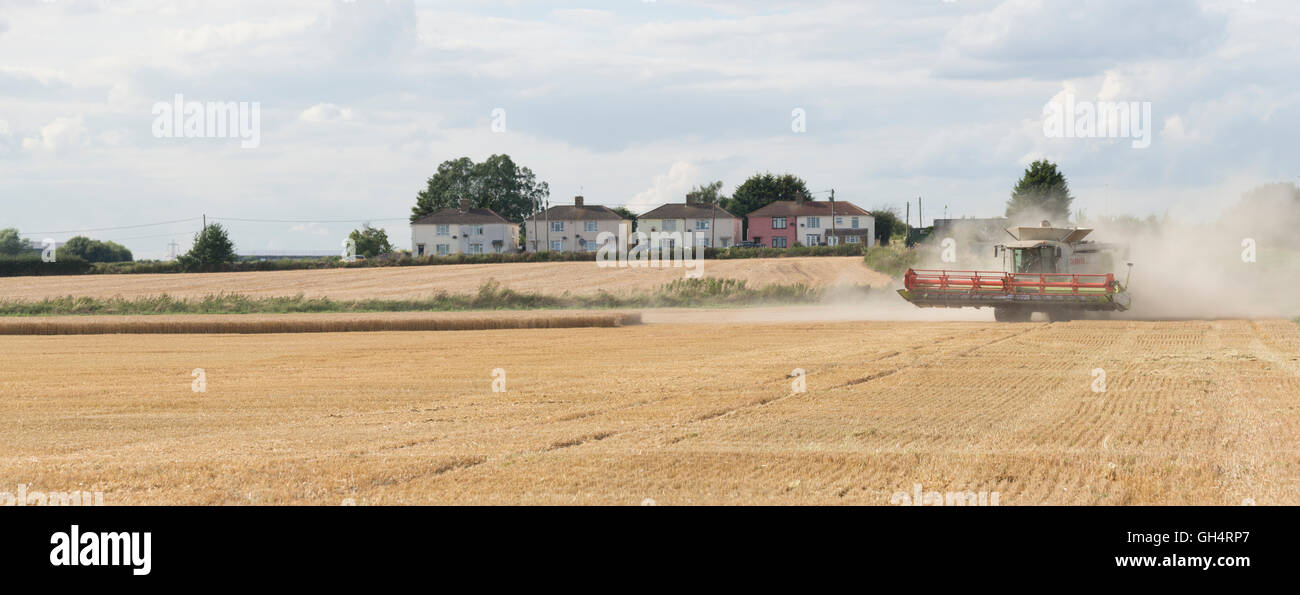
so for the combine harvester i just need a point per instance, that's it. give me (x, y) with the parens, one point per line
(1048, 269)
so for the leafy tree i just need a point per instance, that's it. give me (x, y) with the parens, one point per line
(1041, 192)
(11, 242)
(212, 250)
(497, 183)
(625, 213)
(763, 189)
(94, 250)
(888, 223)
(370, 242)
(710, 194)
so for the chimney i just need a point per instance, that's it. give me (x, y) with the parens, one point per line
(464, 204)
(577, 201)
(1046, 223)
(798, 197)
(690, 198)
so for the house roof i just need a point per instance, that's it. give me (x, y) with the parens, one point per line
(576, 213)
(461, 216)
(685, 211)
(790, 208)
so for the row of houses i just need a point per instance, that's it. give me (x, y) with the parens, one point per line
(576, 227)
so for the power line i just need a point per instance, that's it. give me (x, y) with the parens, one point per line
(164, 235)
(311, 221)
(38, 233)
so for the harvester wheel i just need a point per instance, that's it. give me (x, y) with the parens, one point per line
(1059, 315)
(1010, 314)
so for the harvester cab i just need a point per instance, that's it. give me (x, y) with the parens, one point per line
(1045, 269)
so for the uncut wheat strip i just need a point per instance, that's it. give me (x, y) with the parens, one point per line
(28, 326)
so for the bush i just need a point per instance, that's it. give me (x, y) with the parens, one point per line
(399, 259)
(892, 260)
(94, 250)
(31, 264)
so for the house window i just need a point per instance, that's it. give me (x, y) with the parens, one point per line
(557, 226)
(851, 239)
(724, 242)
(478, 230)
(813, 221)
(778, 242)
(853, 223)
(589, 226)
(839, 221)
(813, 239)
(476, 248)
(419, 249)
(702, 242)
(702, 224)
(832, 240)
(557, 245)
(442, 249)
(670, 225)
(778, 223)
(443, 230)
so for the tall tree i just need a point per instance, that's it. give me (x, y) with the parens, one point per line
(11, 242)
(94, 250)
(370, 241)
(708, 194)
(497, 183)
(763, 189)
(888, 223)
(212, 250)
(1041, 192)
(626, 213)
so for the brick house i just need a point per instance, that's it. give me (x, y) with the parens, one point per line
(572, 228)
(463, 230)
(811, 223)
(713, 225)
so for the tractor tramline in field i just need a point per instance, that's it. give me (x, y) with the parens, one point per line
(1046, 269)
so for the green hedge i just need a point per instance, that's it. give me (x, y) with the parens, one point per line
(490, 296)
(31, 264)
(403, 259)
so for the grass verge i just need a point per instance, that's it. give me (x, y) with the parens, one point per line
(490, 296)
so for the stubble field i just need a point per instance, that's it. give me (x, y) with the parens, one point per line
(551, 278)
(704, 413)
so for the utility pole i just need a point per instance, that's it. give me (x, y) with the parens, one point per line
(837, 240)
(548, 223)
(920, 213)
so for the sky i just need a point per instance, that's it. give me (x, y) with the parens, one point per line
(627, 102)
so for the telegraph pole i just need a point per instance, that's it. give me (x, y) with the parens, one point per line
(837, 240)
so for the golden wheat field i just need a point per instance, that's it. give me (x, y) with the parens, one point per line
(1192, 413)
(577, 278)
(311, 323)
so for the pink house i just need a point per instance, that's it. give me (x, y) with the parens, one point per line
(811, 223)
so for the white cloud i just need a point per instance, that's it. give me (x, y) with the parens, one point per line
(667, 187)
(325, 112)
(59, 136)
(315, 229)
(635, 105)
